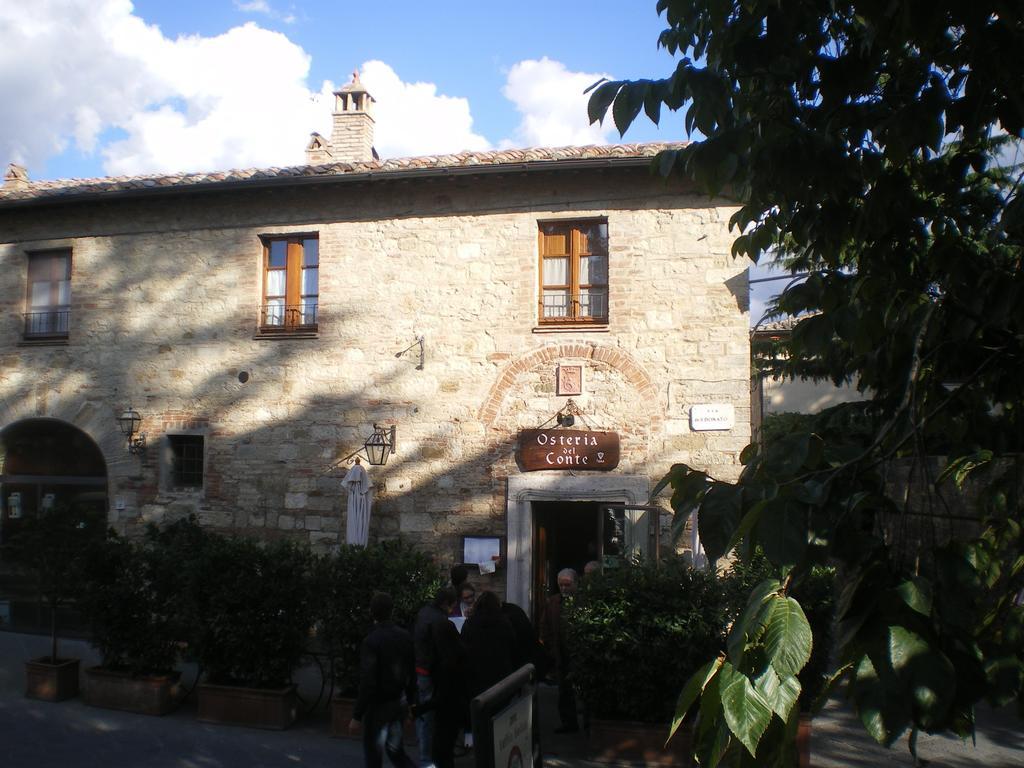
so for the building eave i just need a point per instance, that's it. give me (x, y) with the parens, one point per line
(59, 198)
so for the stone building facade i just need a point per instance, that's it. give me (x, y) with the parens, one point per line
(427, 312)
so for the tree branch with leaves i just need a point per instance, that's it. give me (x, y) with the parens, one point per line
(866, 144)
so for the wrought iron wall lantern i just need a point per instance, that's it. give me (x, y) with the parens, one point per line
(380, 445)
(129, 422)
(377, 448)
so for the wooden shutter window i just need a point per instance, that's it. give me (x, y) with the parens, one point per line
(290, 284)
(573, 273)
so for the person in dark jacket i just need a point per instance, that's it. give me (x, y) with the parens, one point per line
(528, 649)
(387, 684)
(439, 678)
(553, 637)
(491, 647)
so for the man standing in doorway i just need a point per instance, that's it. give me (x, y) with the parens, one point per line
(553, 637)
(387, 685)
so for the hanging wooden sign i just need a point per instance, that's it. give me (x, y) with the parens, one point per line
(568, 449)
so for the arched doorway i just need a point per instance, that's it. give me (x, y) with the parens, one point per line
(44, 464)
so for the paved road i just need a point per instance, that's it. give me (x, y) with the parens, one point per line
(69, 734)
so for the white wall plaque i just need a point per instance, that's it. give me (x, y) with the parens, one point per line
(710, 416)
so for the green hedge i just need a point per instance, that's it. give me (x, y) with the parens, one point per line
(253, 608)
(345, 583)
(638, 632)
(130, 602)
(243, 609)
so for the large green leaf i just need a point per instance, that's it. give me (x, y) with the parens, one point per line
(694, 687)
(628, 103)
(926, 672)
(750, 624)
(883, 709)
(917, 594)
(712, 736)
(780, 693)
(745, 710)
(787, 636)
(601, 98)
(782, 532)
(718, 518)
(747, 524)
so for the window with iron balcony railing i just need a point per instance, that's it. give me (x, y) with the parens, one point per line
(291, 284)
(49, 295)
(590, 306)
(573, 273)
(283, 317)
(51, 324)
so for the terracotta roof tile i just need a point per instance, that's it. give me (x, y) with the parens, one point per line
(38, 190)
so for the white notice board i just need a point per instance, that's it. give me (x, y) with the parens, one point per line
(513, 735)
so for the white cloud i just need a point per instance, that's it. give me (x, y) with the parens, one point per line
(238, 99)
(264, 8)
(64, 75)
(413, 119)
(74, 69)
(553, 105)
(255, 6)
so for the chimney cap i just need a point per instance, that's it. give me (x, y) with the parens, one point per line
(16, 177)
(354, 87)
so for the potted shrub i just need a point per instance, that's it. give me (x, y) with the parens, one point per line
(638, 632)
(250, 619)
(346, 581)
(50, 546)
(129, 601)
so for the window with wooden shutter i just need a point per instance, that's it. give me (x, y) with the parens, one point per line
(291, 284)
(49, 295)
(573, 273)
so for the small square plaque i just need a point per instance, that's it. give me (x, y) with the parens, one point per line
(569, 380)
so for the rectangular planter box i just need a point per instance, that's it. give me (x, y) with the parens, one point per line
(255, 707)
(615, 741)
(803, 741)
(341, 715)
(51, 682)
(144, 694)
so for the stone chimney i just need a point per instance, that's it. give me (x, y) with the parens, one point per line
(317, 151)
(352, 134)
(16, 177)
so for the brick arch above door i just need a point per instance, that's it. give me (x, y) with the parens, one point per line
(631, 370)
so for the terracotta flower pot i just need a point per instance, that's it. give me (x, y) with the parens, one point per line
(51, 681)
(273, 708)
(144, 694)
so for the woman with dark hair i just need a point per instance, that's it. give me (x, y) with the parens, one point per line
(467, 596)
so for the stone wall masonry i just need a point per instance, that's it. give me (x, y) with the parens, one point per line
(164, 308)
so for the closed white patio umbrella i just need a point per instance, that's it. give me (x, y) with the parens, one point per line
(360, 497)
